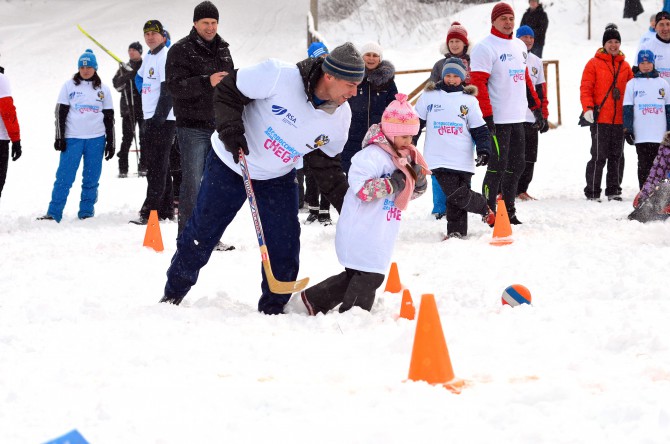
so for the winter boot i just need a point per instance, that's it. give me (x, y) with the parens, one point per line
(312, 217)
(324, 219)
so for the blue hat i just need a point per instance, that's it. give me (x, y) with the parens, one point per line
(88, 59)
(525, 30)
(645, 56)
(317, 49)
(454, 65)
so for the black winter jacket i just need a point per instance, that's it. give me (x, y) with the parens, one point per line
(190, 63)
(537, 20)
(229, 105)
(375, 92)
(124, 82)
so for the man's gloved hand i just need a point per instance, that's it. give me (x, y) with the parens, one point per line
(59, 145)
(397, 181)
(545, 126)
(539, 119)
(482, 159)
(588, 115)
(109, 149)
(16, 150)
(490, 125)
(125, 66)
(630, 137)
(233, 143)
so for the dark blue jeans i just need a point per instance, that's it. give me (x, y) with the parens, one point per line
(221, 196)
(194, 144)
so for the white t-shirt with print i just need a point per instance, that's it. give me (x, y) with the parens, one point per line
(536, 72)
(5, 91)
(505, 61)
(662, 52)
(649, 98)
(367, 231)
(85, 119)
(280, 124)
(449, 117)
(152, 72)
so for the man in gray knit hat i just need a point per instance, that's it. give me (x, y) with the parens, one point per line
(274, 112)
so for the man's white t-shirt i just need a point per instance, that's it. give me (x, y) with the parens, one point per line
(152, 72)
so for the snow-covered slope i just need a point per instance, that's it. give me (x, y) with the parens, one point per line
(84, 344)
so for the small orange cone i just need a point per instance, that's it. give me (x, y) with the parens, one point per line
(430, 356)
(502, 230)
(407, 310)
(393, 280)
(152, 237)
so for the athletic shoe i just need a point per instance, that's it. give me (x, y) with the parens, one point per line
(594, 199)
(325, 220)
(439, 216)
(45, 217)
(220, 246)
(514, 221)
(311, 218)
(615, 197)
(85, 216)
(139, 221)
(454, 235)
(308, 305)
(171, 300)
(525, 196)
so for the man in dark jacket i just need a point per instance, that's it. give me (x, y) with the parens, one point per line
(274, 112)
(537, 19)
(131, 108)
(195, 65)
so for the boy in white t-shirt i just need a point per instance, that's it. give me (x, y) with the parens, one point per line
(384, 176)
(9, 128)
(453, 121)
(645, 112)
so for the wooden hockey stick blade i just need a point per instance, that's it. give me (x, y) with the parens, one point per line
(276, 286)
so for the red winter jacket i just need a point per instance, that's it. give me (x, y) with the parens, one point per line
(597, 78)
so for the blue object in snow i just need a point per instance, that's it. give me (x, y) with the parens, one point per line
(73, 437)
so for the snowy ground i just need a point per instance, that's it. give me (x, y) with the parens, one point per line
(84, 344)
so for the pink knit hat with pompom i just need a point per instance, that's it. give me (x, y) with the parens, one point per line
(399, 118)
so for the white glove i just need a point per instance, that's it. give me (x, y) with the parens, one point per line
(588, 116)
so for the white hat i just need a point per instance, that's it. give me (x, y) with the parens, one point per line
(372, 47)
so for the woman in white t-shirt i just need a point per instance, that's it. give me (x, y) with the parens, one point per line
(84, 129)
(384, 176)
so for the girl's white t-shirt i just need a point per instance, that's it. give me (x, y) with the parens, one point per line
(449, 117)
(85, 119)
(505, 61)
(280, 124)
(152, 72)
(367, 231)
(649, 98)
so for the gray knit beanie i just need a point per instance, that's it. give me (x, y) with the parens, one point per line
(345, 62)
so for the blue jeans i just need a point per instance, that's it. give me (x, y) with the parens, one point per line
(194, 144)
(221, 196)
(439, 199)
(91, 150)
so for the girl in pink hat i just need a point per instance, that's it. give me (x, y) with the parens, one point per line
(384, 176)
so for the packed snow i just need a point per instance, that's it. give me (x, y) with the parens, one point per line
(84, 343)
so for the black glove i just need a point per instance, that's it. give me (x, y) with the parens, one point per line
(233, 143)
(109, 149)
(59, 145)
(545, 126)
(490, 125)
(397, 181)
(537, 113)
(482, 159)
(421, 183)
(630, 137)
(16, 150)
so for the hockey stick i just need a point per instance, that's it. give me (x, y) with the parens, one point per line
(114, 56)
(276, 286)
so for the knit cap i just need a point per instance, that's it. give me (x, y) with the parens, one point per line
(399, 118)
(663, 15)
(374, 48)
(316, 50)
(525, 30)
(136, 46)
(454, 65)
(87, 59)
(611, 32)
(457, 31)
(501, 9)
(645, 56)
(345, 63)
(153, 26)
(205, 10)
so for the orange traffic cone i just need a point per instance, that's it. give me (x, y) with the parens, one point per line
(502, 230)
(407, 310)
(393, 280)
(430, 356)
(152, 237)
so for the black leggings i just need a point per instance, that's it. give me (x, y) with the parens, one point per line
(506, 165)
(461, 200)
